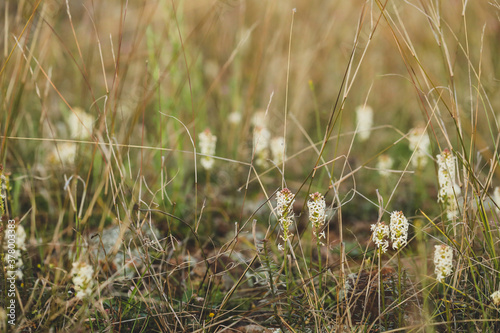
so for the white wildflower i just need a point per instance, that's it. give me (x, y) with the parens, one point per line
(82, 279)
(443, 261)
(285, 200)
(80, 124)
(384, 164)
(207, 147)
(234, 118)
(420, 144)
(18, 273)
(284, 210)
(259, 119)
(20, 238)
(380, 235)
(278, 149)
(286, 222)
(261, 137)
(496, 297)
(64, 153)
(364, 120)
(399, 230)
(317, 215)
(13, 256)
(14, 263)
(448, 189)
(496, 197)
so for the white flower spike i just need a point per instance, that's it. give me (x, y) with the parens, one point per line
(448, 189)
(364, 120)
(384, 164)
(278, 149)
(261, 139)
(82, 279)
(207, 147)
(317, 215)
(380, 235)
(284, 210)
(420, 144)
(496, 298)
(443, 261)
(399, 230)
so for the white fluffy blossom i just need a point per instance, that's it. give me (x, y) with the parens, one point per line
(364, 121)
(399, 230)
(234, 118)
(384, 164)
(259, 119)
(420, 144)
(80, 124)
(496, 197)
(448, 189)
(64, 153)
(13, 256)
(15, 268)
(20, 238)
(82, 279)
(207, 147)
(284, 210)
(278, 149)
(317, 215)
(443, 261)
(261, 138)
(496, 297)
(380, 235)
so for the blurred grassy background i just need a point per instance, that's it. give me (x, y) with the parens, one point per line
(130, 64)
